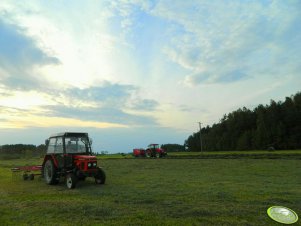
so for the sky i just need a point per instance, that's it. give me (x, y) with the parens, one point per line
(134, 72)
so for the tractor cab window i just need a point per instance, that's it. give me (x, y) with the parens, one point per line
(76, 145)
(55, 145)
(51, 145)
(155, 146)
(59, 145)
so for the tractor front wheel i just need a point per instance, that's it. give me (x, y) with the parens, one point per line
(100, 178)
(50, 173)
(71, 180)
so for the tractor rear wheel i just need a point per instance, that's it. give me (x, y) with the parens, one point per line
(71, 180)
(50, 173)
(100, 178)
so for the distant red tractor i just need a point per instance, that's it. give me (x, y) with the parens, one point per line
(152, 151)
(69, 156)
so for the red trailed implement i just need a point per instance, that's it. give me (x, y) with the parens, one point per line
(29, 172)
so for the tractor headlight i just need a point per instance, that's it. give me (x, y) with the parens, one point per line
(94, 164)
(89, 164)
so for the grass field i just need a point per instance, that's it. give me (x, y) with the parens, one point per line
(157, 192)
(261, 154)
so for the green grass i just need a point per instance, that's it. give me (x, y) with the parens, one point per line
(281, 154)
(157, 192)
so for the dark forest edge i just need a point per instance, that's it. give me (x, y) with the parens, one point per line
(13, 151)
(276, 126)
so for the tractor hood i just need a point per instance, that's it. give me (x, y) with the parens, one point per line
(85, 157)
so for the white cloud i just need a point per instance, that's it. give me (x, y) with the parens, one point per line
(215, 39)
(78, 37)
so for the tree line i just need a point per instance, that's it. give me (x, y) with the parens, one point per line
(173, 147)
(273, 126)
(19, 150)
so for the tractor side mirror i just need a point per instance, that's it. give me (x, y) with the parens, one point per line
(46, 142)
(91, 141)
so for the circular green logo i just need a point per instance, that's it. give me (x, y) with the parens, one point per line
(282, 214)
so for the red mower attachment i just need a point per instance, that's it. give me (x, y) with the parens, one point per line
(29, 172)
(139, 152)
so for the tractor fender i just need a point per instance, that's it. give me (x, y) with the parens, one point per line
(54, 160)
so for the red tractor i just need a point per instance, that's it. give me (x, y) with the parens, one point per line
(153, 150)
(69, 155)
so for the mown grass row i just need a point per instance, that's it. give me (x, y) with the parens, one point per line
(157, 192)
(281, 154)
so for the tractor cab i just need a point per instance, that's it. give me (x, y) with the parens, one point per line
(69, 143)
(154, 146)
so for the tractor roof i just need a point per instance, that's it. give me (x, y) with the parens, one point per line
(69, 134)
